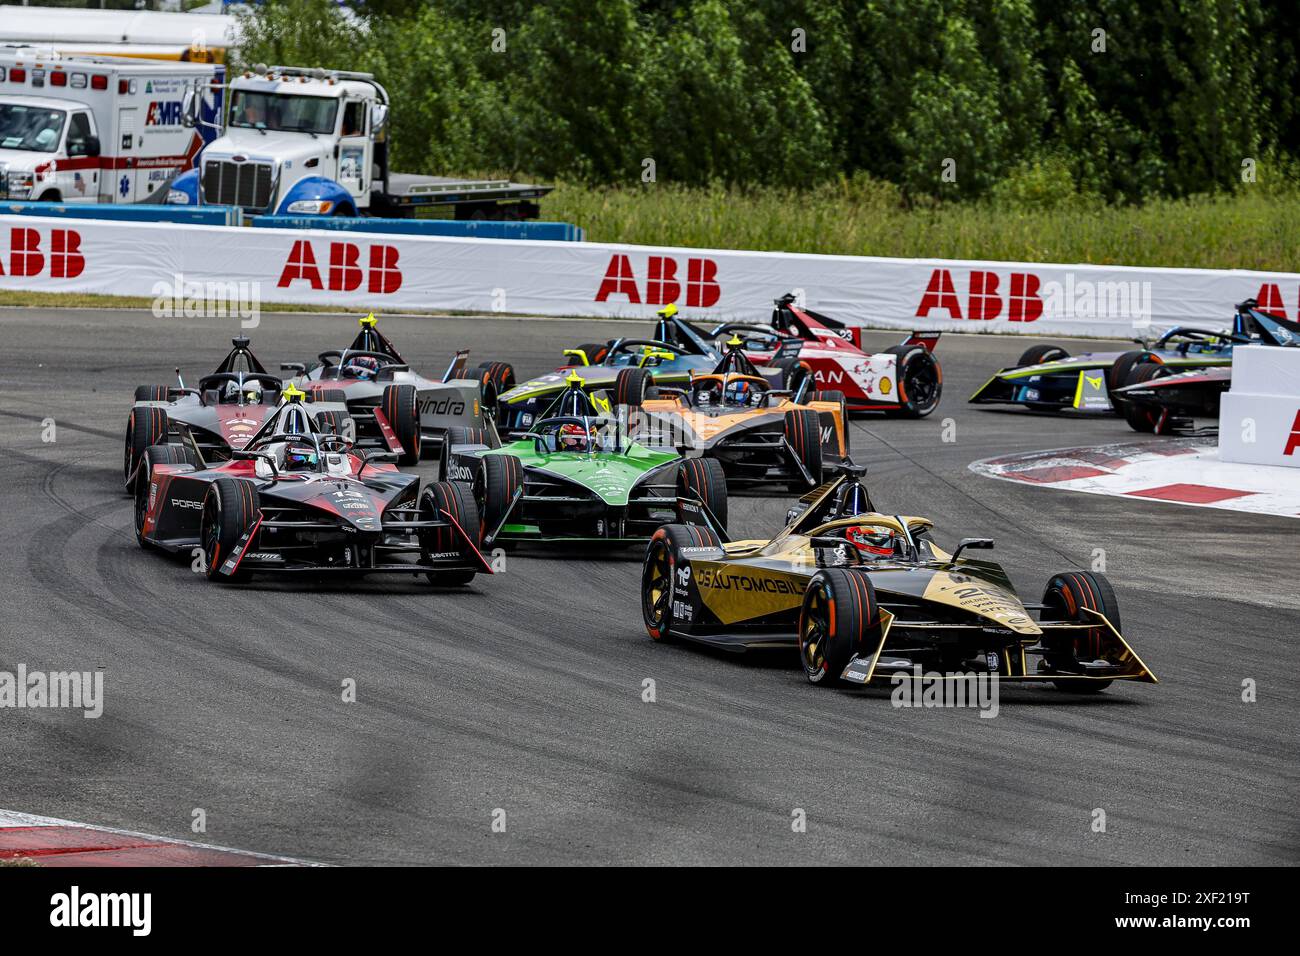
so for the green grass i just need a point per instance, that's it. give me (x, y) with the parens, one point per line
(1251, 229)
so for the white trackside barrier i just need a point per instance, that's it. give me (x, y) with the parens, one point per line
(1259, 418)
(604, 280)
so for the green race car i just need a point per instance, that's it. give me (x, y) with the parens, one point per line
(577, 477)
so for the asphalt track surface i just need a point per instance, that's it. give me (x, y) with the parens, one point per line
(524, 691)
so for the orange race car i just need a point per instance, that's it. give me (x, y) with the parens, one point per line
(758, 430)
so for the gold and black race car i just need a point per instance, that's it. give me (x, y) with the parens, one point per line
(864, 595)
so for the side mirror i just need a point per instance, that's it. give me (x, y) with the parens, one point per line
(378, 118)
(263, 468)
(189, 110)
(972, 543)
(298, 367)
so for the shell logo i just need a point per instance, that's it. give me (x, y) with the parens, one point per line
(885, 385)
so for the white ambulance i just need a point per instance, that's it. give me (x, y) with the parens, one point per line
(98, 129)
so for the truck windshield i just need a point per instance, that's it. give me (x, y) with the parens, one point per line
(32, 128)
(290, 114)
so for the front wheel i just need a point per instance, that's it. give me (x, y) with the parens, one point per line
(1141, 417)
(498, 479)
(450, 501)
(1068, 598)
(146, 426)
(839, 618)
(230, 507)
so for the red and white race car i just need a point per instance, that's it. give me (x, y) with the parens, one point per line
(904, 380)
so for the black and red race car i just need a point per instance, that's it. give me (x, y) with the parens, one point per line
(904, 380)
(296, 498)
(222, 413)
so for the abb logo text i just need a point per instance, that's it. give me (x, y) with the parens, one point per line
(1293, 440)
(984, 299)
(344, 272)
(663, 284)
(30, 255)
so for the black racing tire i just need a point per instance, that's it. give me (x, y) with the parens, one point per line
(661, 559)
(333, 422)
(840, 617)
(594, 352)
(500, 374)
(457, 500)
(463, 435)
(151, 393)
(1038, 354)
(1142, 418)
(703, 478)
(321, 393)
(793, 373)
(803, 433)
(489, 399)
(403, 413)
(497, 480)
(918, 381)
(1066, 596)
(1119, 371)
(230, 507)
(631, 387)
(835, 395)
(146, 426)
(156, 455)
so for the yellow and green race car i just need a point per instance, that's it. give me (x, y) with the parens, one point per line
(864, 595)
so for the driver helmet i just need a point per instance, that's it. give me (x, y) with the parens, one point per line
(252, 392)
(573, 437)
(739, 392)
(299, 457)
(873, 543)
(364, 367)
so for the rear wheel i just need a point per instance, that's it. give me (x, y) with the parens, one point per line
(463, 435)
(839, 618)
(146, 426)
(703, 478)
(794, 373)
(151, 393)
(229, 509)
(803, 435)
(660, 568)
(1142, 418)
(834, 395)
(631, 387)
(320, 393)
(500, 374)
(499, 477)
(334, 422)
(592, 350)
(156, 455)
(1068, 597)
(1038, 354)
(919, 382)
(442, 501)
(403, 414)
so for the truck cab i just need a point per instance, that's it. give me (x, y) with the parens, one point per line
(309, 142)
(49, 150)
(296, 143)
